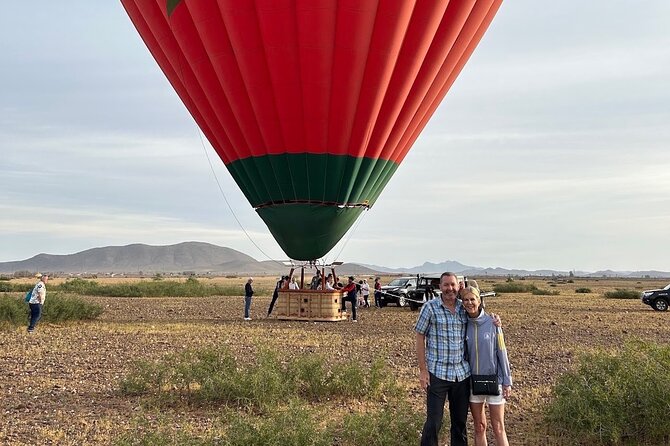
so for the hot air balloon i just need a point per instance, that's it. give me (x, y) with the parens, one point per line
(311, 104)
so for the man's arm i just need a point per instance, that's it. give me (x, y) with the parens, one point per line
(421, 359)
(496, 320)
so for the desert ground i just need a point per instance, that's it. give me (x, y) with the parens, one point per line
(61, 384)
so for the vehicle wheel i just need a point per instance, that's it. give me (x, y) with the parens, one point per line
(660, 304)
(402, 302)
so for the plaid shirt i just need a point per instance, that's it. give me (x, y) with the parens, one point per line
(445, 339)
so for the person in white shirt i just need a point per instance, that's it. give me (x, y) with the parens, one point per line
(329, 283)
(365, 291)
(36, 302)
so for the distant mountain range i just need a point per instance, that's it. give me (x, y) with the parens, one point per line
(198, 257)
(182, 258)
(473, 271)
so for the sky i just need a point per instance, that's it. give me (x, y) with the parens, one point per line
(551, 150)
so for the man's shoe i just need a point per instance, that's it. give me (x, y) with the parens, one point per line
(247, 318)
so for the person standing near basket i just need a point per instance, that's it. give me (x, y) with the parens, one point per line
(37, 298)
(281, 284)
(487, 356)
(351, 294)
(248, 293)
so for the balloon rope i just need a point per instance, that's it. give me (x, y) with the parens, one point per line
(223, 194)
(350, 235)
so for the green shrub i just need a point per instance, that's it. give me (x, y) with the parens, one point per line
(294, 425)
(214, 377)
(13, 311)
(622, 294)
(6, 287)
(258, 412)
(57, 309)
(513, 287)
(392, 426)
(583, 290)
(162, 438)
(614, 397)
(158, 287)
(541, 292)
(69, 308)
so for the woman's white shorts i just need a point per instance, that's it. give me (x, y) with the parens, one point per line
(491, 399)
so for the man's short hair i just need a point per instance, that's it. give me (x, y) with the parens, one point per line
(448, 274)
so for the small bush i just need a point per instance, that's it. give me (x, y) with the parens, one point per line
(583, 290)
(158, 287)
(391, 426)
(69, 308)
(541, 292)
(613, 398)
(622, 294)
(293, 425)
(214, 377)
(57, 309)
(13, 311)
(513, 287)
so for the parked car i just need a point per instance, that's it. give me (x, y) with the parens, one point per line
(427, 287)
(396, 291)
(657, 299)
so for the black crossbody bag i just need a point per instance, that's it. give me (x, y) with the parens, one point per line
(486, 384)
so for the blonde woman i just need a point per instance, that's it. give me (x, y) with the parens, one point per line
(487, 356)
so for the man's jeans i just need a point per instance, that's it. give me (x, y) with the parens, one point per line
(35, 315)
(247, 306)
(459, 398)
(353, 301)
(378, 299)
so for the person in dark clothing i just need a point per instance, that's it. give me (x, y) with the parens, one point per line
(378, 293)
(316, 281)
(282, 283)
(351, 296)
(248, 293)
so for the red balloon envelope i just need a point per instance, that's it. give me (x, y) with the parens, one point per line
(311, 104)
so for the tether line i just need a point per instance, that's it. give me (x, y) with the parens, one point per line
(350, 235)
(223, 194)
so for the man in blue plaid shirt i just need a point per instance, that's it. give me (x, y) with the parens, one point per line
(443, 369)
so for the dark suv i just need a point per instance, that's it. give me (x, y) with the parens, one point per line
(658, 299)
(397, 290)
(427, 287)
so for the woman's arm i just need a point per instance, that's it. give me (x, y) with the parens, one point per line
(504, 370)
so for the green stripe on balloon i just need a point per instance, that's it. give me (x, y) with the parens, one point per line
(308, 231)
(309, 201)
(314, 178)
